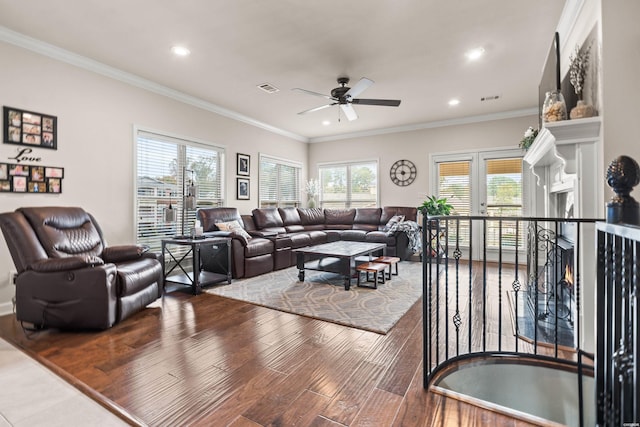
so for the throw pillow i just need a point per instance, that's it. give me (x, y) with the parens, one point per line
(235, 228)
(393, 221)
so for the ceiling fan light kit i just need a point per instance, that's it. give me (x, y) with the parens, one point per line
(344, 96)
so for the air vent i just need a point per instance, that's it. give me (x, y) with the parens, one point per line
(268, 87)
(490, 98)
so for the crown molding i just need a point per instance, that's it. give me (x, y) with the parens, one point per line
(63, 55)
(430, 125)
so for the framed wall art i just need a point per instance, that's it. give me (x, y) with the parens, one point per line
(243, 163)
(242, 191)
(29, 128)
(17, 178)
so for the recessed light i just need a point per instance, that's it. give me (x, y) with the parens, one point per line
(474, 54)
(454, 102)
(326, 123)
(180, 50)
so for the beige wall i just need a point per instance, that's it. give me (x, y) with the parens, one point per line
(417, 146)
(621, 84)
(96, 117)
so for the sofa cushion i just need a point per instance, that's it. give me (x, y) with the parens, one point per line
(367, 219)
(311, 216)
(267, 217)
(353, 235)
(343, 218)
(380, 237)
(410, 214)
(209, 216)
(290, 216)
(294, 228)
(300, 240)
(258, 246)
(317, 236)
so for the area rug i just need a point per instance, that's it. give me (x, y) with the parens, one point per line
(322, 296)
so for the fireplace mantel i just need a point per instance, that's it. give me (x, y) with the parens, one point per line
(563, 157)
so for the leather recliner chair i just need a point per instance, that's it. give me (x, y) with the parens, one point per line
(67, 275)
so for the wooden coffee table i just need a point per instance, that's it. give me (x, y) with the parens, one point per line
(335, 257)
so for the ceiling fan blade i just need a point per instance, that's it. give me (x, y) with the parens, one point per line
(359, 87)
(348, 111)
(314, 93)
(317, 108)
(385, 102)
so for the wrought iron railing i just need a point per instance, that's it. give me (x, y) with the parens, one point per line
(618, 329)
(505, 286)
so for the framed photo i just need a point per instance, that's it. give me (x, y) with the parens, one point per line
(19, 184)
(18, 170)
(53, 172)
(54, 185)
(4, 171)
(5, 186)
(29, 128)
(243, 161)
(242, 192)
(37, 174)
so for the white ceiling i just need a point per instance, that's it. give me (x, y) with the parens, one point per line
(414, 50)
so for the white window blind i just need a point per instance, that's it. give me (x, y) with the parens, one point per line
(349, 185)
(279, 182)
(504, 198)
(454, 184)
(163, 166)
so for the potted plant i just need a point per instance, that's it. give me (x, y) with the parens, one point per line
(434, 206)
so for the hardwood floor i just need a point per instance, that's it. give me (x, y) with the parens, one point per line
(207, 360)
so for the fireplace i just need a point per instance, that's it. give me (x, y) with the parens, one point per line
(550, 291)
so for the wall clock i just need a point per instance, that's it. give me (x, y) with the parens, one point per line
(403, 172)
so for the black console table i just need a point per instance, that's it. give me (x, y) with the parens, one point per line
(212, 252)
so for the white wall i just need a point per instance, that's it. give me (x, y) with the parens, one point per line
(96, 116)
(417, 146)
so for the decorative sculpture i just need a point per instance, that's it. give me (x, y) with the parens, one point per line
(623, 174)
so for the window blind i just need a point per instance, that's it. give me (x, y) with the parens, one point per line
(279, 182)
(163, 165)
(454, 184)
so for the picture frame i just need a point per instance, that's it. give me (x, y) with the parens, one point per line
(29, 128)
(243, 162)
(242, 188)
(19, 178)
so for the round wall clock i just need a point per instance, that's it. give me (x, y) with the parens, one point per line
(403, 172)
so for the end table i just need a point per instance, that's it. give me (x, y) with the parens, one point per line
(197, 278)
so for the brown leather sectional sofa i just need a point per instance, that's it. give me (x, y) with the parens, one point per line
(276, 232)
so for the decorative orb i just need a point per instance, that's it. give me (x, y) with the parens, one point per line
(623, 174)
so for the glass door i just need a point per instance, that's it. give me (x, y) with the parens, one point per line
(483, 184)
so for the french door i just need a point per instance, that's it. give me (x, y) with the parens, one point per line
(488, 183)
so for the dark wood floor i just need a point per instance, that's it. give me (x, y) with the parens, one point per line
(208, 360)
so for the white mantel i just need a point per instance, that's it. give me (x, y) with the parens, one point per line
(564, 157)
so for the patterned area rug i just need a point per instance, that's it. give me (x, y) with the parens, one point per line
(322, 296)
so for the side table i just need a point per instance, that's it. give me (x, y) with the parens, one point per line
(197, 278)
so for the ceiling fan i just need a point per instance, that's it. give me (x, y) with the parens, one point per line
(344, 96)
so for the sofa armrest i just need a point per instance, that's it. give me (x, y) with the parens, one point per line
(116, 254)
(64, 264)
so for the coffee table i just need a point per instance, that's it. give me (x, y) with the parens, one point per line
(335, 257)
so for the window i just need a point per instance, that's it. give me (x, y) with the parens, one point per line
(279, 183)
(349, 185)
(164, 165)
(487, 183)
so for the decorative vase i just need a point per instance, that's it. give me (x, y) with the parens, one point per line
(554, 108)
(582, 110)
(311, 203)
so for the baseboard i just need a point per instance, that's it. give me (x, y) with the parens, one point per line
(6, 308)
